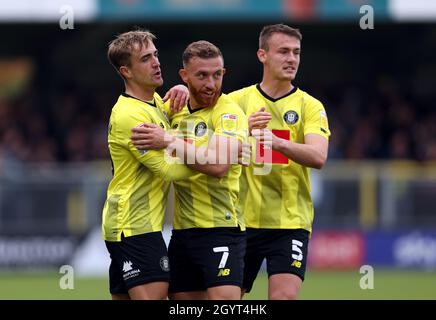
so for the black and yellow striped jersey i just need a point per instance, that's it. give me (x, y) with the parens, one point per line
(137, 192)
(280, 199)
(203, 201)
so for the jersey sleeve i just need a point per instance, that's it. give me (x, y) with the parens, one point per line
(316, 119)
(230, 121)
(165, 106)
(162, 165)
(168, 112)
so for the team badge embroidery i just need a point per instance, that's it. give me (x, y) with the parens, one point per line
(291, 117)
(200, 129)
(164, 264)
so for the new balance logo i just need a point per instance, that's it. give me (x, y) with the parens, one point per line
(223, 272)
(296, 263)
(127, 266)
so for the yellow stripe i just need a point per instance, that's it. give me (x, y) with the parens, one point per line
(367, 196)
(76, 212)
(252, 206)
(201, 203)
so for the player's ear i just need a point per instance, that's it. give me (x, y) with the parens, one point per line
(224, 71)
(125, 72)
(182, 74)
(261, 55)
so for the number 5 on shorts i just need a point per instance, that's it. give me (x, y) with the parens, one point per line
(296, 248)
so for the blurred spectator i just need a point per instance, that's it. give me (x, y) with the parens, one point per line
(381, 125)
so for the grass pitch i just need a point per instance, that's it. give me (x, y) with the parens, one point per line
(333, 285)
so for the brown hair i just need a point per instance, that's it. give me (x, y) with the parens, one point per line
(201, 49)
(120, 49)
(269, 30)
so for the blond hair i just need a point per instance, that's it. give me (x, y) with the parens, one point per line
(120, 49)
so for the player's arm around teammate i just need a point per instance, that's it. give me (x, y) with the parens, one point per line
(133, 213)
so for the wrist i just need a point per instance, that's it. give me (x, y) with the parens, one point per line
(168, 139)
(279, 144)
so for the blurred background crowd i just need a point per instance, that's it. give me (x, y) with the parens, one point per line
(377, 85)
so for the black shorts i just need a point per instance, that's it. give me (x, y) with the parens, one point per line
(285, 251)
(137, 260)
(203, 258)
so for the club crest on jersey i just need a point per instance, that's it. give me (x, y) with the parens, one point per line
(200, 129)
(291, 117)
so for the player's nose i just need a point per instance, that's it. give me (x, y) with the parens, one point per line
(292, 57)
(156, 62)
(210, 83)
